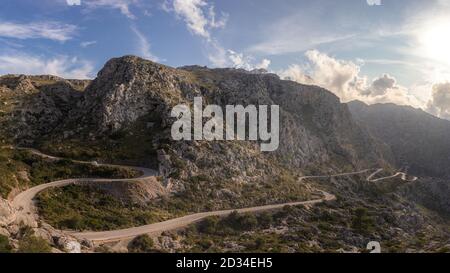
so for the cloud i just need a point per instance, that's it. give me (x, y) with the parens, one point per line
(144, 45)
(200, 19)
(73, 2)
(38, 30)
(122, 5)
(303, 29)
(221, 57)
(386, 90)
(217, 23)
(344, 79)
(63, 66)
(264, 64)
(87, 43)
(199, 16)
(374, 2)
(295, 73)
(439, 103)
(382, 85)
(239, 60)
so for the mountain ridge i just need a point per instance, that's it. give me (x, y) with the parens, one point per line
(418, 139)
(123, 117)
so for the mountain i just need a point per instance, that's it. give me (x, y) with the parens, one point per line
(132, 94)
(418, 140)
(123, 117)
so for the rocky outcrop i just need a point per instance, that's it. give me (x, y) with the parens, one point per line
(40, 104)
(126, 89)
(6, 213)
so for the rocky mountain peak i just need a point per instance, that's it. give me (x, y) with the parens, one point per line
(128, 88)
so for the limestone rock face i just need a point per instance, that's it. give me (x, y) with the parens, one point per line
(36, 104)
(6, 213)
(128, 88)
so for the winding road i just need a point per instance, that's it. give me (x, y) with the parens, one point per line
(157, 228)
(403, 176)
(25, 209)
(23, 203)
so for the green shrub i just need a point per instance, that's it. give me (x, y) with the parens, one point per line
(5, 247)
(260, 243)
(205, 244)
(232, 224)
(248, 222)
(209, 225)
(265, 220)
(362, 222)
(32, 244)
(141, 244)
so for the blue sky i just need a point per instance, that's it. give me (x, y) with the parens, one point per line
(372, 50)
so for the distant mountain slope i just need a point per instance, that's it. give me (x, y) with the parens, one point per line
(417, 139)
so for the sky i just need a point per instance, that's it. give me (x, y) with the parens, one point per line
(376, 51)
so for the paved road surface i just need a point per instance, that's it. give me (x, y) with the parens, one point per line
(24, 206)
(157, 228)
(403, 176)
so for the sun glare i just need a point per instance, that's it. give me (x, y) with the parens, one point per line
(435, 41)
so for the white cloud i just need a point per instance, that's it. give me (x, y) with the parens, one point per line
(62, 66)
(87, 43)
(144, 45)
(200, 19)
(38, 30)
(386, 90)
(199, 16)
(122, 5)
(238, 60)
(295, 73)
(439, 103)
(192, 13)
(344, 79)
(264, 64)
(230, 58)
(73, 2)
(374, 2)
(217, 23)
